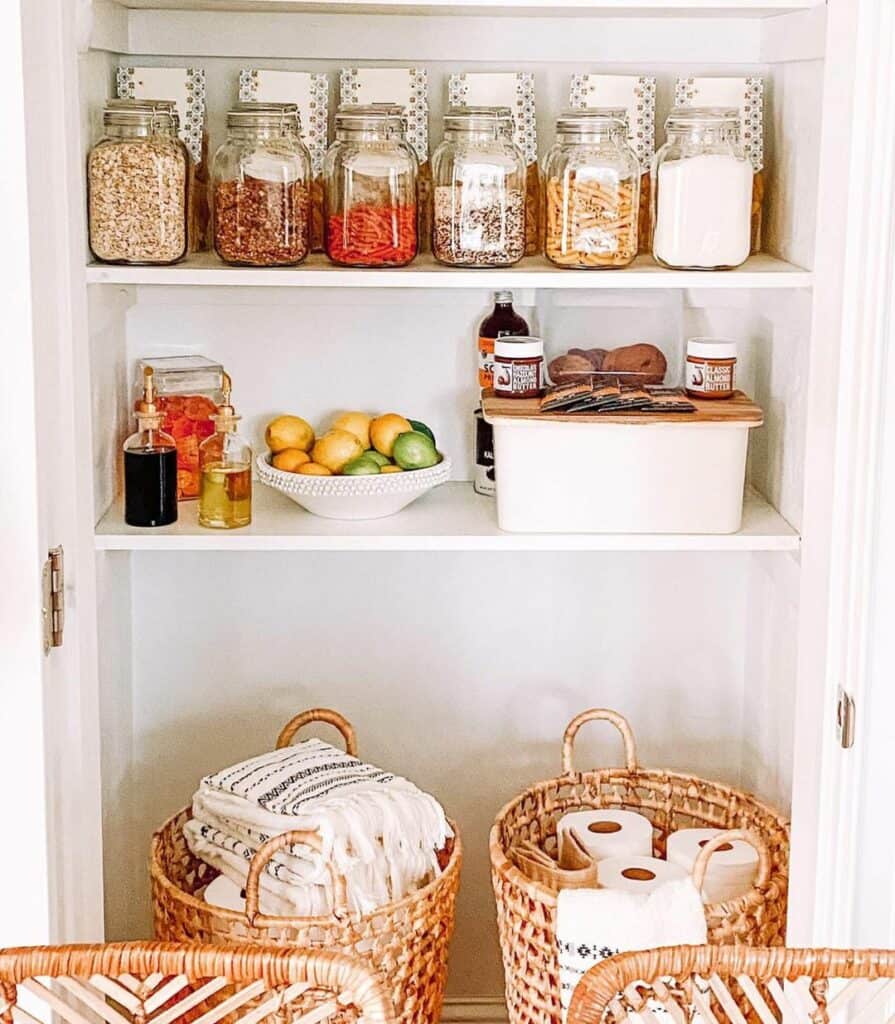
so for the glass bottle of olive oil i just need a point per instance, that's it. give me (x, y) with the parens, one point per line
(225, 467)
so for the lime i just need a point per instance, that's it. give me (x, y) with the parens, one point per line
(421, 428)
(377, 457)
(361, 467)
(415, 450)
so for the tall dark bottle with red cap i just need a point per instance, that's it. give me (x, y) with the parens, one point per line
(502, 322)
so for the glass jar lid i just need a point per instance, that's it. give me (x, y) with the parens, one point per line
(142, 113)
(695, 117)
(178, 375)
(370, 117)
(591, 119)
(478, 119)
(255, 114)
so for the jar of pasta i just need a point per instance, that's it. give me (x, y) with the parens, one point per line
(592, 190)
(479, 179)
(702, 191)
(370, 189)
(260, 182)
(137, 178)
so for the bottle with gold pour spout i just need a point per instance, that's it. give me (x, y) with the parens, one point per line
(225, 468)
(150, 466)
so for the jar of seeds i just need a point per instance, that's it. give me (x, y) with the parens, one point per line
(137, 177)
(479, 178)
(260, 179)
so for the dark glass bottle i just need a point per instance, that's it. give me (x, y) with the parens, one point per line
(502, 322)
(150, 466)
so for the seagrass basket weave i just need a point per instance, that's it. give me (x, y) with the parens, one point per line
(733, 984)
(526, 909)
(167, 983)
(406, 941)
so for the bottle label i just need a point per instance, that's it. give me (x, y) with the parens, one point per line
(486, 363)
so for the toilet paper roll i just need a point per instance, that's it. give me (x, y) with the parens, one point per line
(606, 833)
(731, 870)
(225, 894)
(637, 874)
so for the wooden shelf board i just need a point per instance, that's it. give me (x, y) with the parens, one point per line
(206, 270)
(450, 518)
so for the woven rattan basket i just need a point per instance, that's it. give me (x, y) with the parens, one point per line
(736, 984)
(526, 909)
(406, 941)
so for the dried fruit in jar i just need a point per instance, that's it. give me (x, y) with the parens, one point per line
(187, 418)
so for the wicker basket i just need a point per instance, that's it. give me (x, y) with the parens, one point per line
(734, 984)
(526, 909)
(406, 941)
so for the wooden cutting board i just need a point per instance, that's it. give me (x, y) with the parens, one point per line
(739, 409)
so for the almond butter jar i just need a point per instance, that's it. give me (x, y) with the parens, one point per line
(518, 367)
(711, 368)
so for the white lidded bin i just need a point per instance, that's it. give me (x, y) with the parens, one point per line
(588, 475)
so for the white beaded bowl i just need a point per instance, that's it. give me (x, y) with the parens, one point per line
(354, 497)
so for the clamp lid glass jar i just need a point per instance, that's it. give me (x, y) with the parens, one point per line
(260, 183)
(137, 179)
(702, 191)
(479, 178)
(370, 189)
(593, 191)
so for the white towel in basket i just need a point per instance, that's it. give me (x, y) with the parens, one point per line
(378, 830)
(594, 924)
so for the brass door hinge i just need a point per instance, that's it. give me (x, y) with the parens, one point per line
(845, 720)
(53, 598)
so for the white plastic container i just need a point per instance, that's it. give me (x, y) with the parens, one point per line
(592, 477)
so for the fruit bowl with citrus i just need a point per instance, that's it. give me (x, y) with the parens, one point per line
(361, 467)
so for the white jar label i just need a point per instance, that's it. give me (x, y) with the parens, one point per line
(710, 378)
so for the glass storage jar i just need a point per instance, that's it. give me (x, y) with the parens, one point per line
(188, 392)
(702, 191)
(592, 191)
(479, 179)
(261, 187)
(137, 181)
(370, 189)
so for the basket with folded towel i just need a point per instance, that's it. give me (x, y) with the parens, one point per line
(308, 845)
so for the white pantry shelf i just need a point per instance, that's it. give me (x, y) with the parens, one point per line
(451, 518)
(626, 8)
(206, 270)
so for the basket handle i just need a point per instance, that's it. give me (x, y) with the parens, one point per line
(320, 715)
(262, 858)
(598, 715)
(700, 865)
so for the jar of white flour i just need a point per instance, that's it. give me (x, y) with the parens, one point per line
(702, 191)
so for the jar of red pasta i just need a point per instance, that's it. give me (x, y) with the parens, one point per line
(188, 392)
(370, 189)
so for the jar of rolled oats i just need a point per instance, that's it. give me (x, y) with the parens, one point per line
(137, 181)
(261, 187)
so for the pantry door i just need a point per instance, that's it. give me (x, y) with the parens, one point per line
(842, 882)
(50, 858)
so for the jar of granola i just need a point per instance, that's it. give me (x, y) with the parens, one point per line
(260, 183)
(593, 191)
(137, 179)
(479, 178)
(370, 189)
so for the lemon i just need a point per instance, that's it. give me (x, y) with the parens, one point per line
(361, 467)
(289, 432)
(376, 457)
(384, 430)
(357, 423)
(415, 451)
(314, 469)
(391, 469)
(336, 449)
(290, 459)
